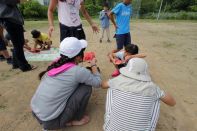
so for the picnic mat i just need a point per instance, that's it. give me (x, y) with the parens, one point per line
(46, 55)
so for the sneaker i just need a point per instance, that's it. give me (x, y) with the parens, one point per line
(9, 61)
(100, 41)
(108, 41)
(115, 73)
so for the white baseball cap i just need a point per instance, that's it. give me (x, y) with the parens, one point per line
(71, 46)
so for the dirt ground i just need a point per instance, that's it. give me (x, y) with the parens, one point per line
(171, 49)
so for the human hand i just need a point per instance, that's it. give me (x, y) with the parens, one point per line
(95, 28)
(127, 58)
(50, 30)
(93, 62)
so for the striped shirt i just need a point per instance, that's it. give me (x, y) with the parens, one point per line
(130, 111)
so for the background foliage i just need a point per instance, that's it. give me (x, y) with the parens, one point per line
(171, 9)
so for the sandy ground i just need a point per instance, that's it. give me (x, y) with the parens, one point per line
(171, 49)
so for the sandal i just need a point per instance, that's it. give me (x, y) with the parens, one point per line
(30, 68)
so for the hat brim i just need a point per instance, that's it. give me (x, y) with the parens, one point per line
(84, 43)
(124, 71)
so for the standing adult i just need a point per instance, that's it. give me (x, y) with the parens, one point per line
(69, 19)
(12, 20)
(4, 55)
(123, 13)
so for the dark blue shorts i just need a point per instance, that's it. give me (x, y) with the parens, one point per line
(122, 40)
(2, 45)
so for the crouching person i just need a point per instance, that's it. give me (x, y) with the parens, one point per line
(65, 88)
(133, 100)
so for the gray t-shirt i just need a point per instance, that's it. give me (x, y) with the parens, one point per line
(53, 92)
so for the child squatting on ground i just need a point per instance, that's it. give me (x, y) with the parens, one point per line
(104, 20)
(133, 100)
(42, 40)
(120, 58)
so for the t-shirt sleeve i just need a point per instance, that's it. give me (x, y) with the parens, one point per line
(116, 9)
(83, 75)
(120, 55)
(160, 93)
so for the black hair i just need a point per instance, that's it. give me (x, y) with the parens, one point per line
(132, 49)
(105, 4)
(35, 33)
(63, 60)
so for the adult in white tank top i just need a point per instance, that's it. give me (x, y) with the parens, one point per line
(69, 19)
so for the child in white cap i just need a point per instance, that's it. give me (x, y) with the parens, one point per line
(65, 88)
(133, 100)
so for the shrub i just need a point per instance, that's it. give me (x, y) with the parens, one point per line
(173, 16)
(193, 8)
(93, 10)
(33, 9)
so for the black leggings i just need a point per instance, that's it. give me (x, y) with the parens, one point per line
(17, 37)
(74, 109)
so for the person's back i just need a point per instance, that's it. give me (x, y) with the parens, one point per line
(9, 10)
(60, 88)
(133, 100)
(132, 111)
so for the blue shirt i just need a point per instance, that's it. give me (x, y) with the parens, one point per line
(104, 19)
(123, 14)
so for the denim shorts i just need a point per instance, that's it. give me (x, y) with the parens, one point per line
(122, 40)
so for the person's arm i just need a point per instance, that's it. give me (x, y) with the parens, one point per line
(112, 57)
(52, 6)
(104, 85)
(111, 17)
(127, 58)
(92, 78)
(88, 18)
(168, 99)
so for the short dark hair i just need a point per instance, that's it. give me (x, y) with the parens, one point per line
(105, 4)
(132, 49)
(35, 33)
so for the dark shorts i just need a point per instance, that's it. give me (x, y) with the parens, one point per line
(66, 31)
(2, 45)
(122, 40)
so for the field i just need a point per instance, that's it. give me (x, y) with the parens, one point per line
(171, 48)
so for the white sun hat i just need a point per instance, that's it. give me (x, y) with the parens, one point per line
(137, 68)
(71, 46)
